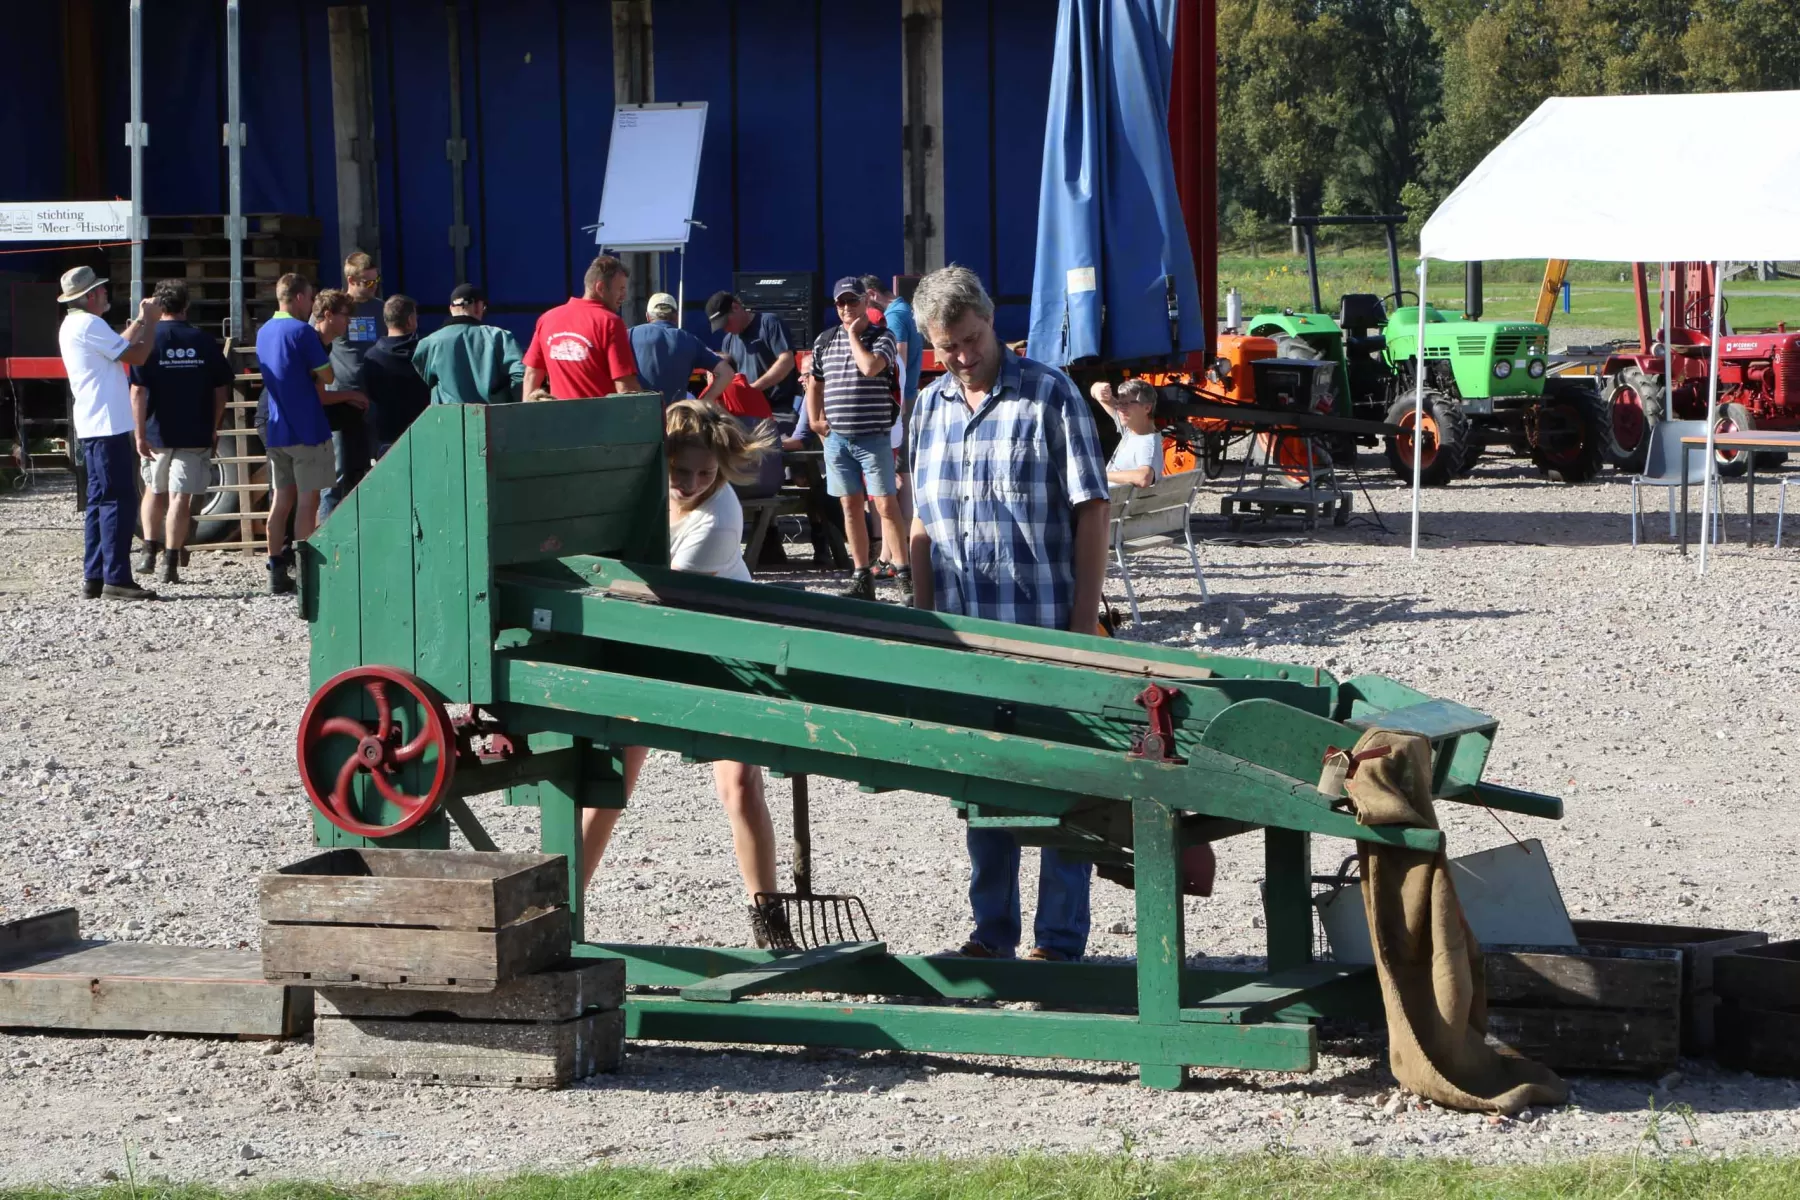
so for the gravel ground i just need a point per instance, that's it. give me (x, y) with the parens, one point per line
(146, 777)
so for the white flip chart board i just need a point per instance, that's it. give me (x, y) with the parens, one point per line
(652, 170)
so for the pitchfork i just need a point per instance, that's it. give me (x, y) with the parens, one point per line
(810, 921)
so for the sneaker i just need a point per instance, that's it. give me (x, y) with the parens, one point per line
(903, 576)
(1045, 954)
(769, 927)
(126, 591)
(91, 588)
(883, 569)
(146, 563)
(862, 586)
(169, 572)
(973, 949)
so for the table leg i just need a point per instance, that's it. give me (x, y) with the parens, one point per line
(1750, 499)
(1685, 451)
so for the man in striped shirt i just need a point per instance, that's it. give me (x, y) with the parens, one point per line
(851, 403)
(1009, 498)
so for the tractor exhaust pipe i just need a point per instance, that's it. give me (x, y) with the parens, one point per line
(1472, 301)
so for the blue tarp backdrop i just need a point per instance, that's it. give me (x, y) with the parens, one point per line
(1114, 276)
(802, 167)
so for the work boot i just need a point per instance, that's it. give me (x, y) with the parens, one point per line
(862, 586)
(126, 591)
(280, 582)
(903, 577)
(769, 927)
(146, 563)
(90, 588)
(170, 562)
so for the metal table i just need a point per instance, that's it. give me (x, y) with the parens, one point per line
(1786, 440)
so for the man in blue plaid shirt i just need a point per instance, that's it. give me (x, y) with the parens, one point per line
(1010, 498)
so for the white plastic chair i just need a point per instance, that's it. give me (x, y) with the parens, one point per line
(1666, 465)
(1151, 516)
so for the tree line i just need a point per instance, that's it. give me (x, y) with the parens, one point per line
(1380, 106)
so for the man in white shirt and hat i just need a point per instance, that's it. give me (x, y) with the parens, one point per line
(95, 359)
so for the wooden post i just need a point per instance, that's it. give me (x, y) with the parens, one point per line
(1287, 901)
(922, 78)
(353, 130)
(1161, 930)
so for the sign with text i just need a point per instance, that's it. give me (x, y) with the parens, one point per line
(66, 220)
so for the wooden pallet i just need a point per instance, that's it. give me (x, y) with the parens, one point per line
(1593, 1008)
(1759, 1008)
(51, 978)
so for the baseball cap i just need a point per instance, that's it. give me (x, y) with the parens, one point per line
(659, 302)
(849, 285)
(718, 307)
(78, 282)
(466, 294)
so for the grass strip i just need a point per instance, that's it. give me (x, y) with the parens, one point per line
(1272, 1176)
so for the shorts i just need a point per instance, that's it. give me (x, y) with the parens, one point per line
(307, 468)
(183, 472)
(860, 464)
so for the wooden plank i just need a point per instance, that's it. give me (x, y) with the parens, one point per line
(787, 973)
(1261, 998)
(1594, 1039)
(440, 889)
(566, 497)
(418, 959)
(470, 1053)
(476, 482)
(1599, 978)
(571, 462)
(594, 421)
(533, 541)
(1097, 660)
(32, 935)
(133, 987)
(560, 992)
(1434, 719)
(440, 559)
(385, 530)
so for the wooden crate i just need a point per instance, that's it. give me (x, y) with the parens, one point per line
(1595, 1008)
(534, 1054)
(1700, 948)
(544, 1030)
(1759, 1008)
(51, 978)
(440, 920)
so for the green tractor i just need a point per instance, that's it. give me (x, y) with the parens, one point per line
(1486, 382)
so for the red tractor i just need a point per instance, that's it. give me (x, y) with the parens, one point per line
(1759, 374)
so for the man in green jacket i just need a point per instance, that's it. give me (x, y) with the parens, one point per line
(467, 362)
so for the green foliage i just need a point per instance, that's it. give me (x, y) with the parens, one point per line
(1365, 105)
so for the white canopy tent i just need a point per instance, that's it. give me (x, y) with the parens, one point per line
(1533, 197)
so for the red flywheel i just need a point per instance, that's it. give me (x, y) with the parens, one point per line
(408, 742)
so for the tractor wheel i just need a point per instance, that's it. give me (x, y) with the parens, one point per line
(1293, 347)
(1568, 430)
(1445, 434)
(1733, 418)
(1769, 460)
(1635, 400)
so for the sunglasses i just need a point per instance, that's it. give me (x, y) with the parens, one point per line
(367, 280)
(848, 301)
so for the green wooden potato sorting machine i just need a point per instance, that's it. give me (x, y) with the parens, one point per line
(511, 558)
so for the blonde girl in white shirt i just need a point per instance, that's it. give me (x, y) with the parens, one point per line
(707, 452)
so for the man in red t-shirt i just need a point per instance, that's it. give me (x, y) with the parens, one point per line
(582, 348)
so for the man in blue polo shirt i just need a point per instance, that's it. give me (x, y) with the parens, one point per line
(667, 354)
(177, 399)
(295, 369)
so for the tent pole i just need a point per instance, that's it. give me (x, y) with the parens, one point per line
(136, 140)
(1712, 416)
(1668, 292)
(1418, 409)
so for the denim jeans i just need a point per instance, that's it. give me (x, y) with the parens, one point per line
(350, 447)
(1062, 906)
(112, 499)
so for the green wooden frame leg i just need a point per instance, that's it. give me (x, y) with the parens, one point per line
(1161, 930)
(1287, 897)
